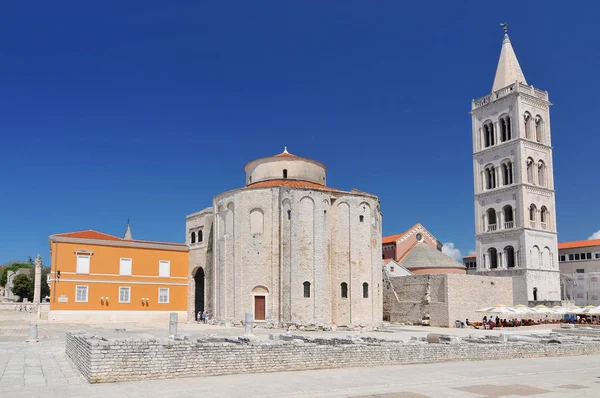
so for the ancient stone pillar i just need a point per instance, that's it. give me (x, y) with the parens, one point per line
(37, 287)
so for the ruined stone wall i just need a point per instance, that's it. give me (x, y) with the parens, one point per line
(452, 297)
(102, 360)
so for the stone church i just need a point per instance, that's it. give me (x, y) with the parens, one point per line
(515, 215)
(287, 248)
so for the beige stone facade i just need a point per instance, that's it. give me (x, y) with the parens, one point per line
(289, 249)
(443, 298)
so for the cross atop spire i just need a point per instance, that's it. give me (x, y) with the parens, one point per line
(509, 70)
(285, 149)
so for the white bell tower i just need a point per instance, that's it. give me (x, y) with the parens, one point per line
(515, 216)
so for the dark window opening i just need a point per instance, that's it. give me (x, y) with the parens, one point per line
(361, 218)
(535, 294)
(193, 238)
(365, 290)
(344, 290)
(200, 236)
(284, 173)
(306, 289)
(289, 212)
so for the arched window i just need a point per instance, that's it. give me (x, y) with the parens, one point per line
(344, 290)
(539, 128)
(530, 171)
(509, 221)
(229, 214)
(365, 290)
(535, 294)
(505, 133)
(488, 134)
(509, 254)
(306, 289)
(193, 237)
(527, 119)
(492, 226)
(490, 176)
(284, 173)
(256, 221)
(532, 215)
(544, 217)
(541, 173)
(507, 173)
(493, 255)
(200, 236)
(361, 218)
(289, 214)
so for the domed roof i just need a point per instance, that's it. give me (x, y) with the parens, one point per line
(287, 156)
(423, 255)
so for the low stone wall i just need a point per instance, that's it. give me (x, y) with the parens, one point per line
(101, 360)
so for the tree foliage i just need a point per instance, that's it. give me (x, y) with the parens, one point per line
(23, 287)
(11, 267)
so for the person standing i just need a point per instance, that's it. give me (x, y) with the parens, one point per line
(199, 316)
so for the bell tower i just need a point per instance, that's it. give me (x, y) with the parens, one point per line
(515, 216)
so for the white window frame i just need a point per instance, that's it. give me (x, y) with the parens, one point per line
(128, 294)
(159, 295)
(77, 266)
(161, 273)
(121, 266)
(86, 294)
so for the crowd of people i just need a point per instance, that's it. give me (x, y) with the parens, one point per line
(202, 316)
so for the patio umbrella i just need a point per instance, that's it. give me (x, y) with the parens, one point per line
(591, 310)
(497, 309)
(560, 310)
(574, 310)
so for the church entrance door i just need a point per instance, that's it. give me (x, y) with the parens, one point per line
(259, 308)
(199, 297)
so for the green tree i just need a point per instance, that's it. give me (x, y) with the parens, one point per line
(23, 287)
(11, 267)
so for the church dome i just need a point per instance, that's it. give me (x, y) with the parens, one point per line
(285, 166)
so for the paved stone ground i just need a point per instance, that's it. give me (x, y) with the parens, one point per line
(42, 370)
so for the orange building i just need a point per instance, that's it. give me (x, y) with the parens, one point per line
(96, 276)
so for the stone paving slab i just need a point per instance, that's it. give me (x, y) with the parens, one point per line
(43, 370)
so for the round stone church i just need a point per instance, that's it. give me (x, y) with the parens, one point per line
(287, 248)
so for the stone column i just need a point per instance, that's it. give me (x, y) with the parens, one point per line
(37, 287)
(485, 222)
(495, 133)
(514, 217)
(501, 219)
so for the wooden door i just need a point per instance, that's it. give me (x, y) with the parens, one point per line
(259, 308)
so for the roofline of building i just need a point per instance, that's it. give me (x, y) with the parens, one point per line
(208, 210)
(324, 188)
(579, 244)
(138, 244)
(279, 158)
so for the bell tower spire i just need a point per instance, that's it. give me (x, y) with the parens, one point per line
(508, 70)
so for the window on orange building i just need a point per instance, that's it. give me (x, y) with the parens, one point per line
(163, 296)
(83, 264)
(164, 268)
(81, 294)
(125, 266)
(124, 294)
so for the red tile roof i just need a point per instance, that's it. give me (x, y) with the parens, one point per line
(470, 256)
(91, 234)
(286, 154)
(391, 238)
(292, 184)
(579, 243)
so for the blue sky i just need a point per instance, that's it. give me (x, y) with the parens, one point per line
(147, 109)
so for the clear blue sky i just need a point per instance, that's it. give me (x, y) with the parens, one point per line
(147, 109)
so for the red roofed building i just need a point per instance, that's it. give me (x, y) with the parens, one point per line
(418, 251)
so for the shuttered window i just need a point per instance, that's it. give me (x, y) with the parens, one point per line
(164, 268)
(83, 264)
(125, 266)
